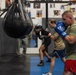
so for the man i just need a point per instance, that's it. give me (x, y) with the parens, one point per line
(59, 47)
(9, 2)
(21, 43)
(70, 38)
(43, 35)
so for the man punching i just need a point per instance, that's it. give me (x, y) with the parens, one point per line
(70, 40)
(59, 47)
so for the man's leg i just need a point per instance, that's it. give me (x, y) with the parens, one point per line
(18, 48)
(47, 55)
(63, 59)
(52, 63)
(67, 73)
(41, 55)
(24, 46)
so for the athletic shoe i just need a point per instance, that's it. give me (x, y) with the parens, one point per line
(41, 64)
(49, 60)
(47, 73)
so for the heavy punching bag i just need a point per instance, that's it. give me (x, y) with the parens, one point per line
(16, 22)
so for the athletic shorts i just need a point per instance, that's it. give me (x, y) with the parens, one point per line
(58, 53)
(70, 65)
(47, 42)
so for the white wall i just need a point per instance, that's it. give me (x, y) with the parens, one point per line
(34, 50)
(2, 5)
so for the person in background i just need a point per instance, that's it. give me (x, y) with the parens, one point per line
(21, 44)
(43, 35)
(34, 36)
(9, 2)
(70, 40)
(59, 47)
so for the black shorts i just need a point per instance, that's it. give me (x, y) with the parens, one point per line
(47, 42)
(58, 53)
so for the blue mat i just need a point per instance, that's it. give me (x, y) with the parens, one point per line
(32, 43)
(36, 70)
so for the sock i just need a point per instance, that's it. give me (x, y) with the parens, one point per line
(49, 58)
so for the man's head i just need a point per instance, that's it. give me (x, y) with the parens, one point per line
(68, 18)
(39, 28)
(52, 23)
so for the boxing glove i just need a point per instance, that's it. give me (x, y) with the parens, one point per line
(60, 29)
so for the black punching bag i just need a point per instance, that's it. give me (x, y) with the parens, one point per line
(17, 23)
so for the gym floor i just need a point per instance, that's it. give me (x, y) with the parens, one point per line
(27, 65)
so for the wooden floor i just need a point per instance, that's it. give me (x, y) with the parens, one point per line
(26, 65)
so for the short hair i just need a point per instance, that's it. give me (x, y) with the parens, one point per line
(66, 12)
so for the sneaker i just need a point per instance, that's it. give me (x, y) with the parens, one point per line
(18, 53)
(41, 64)
(49, 60)
(47, 73)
